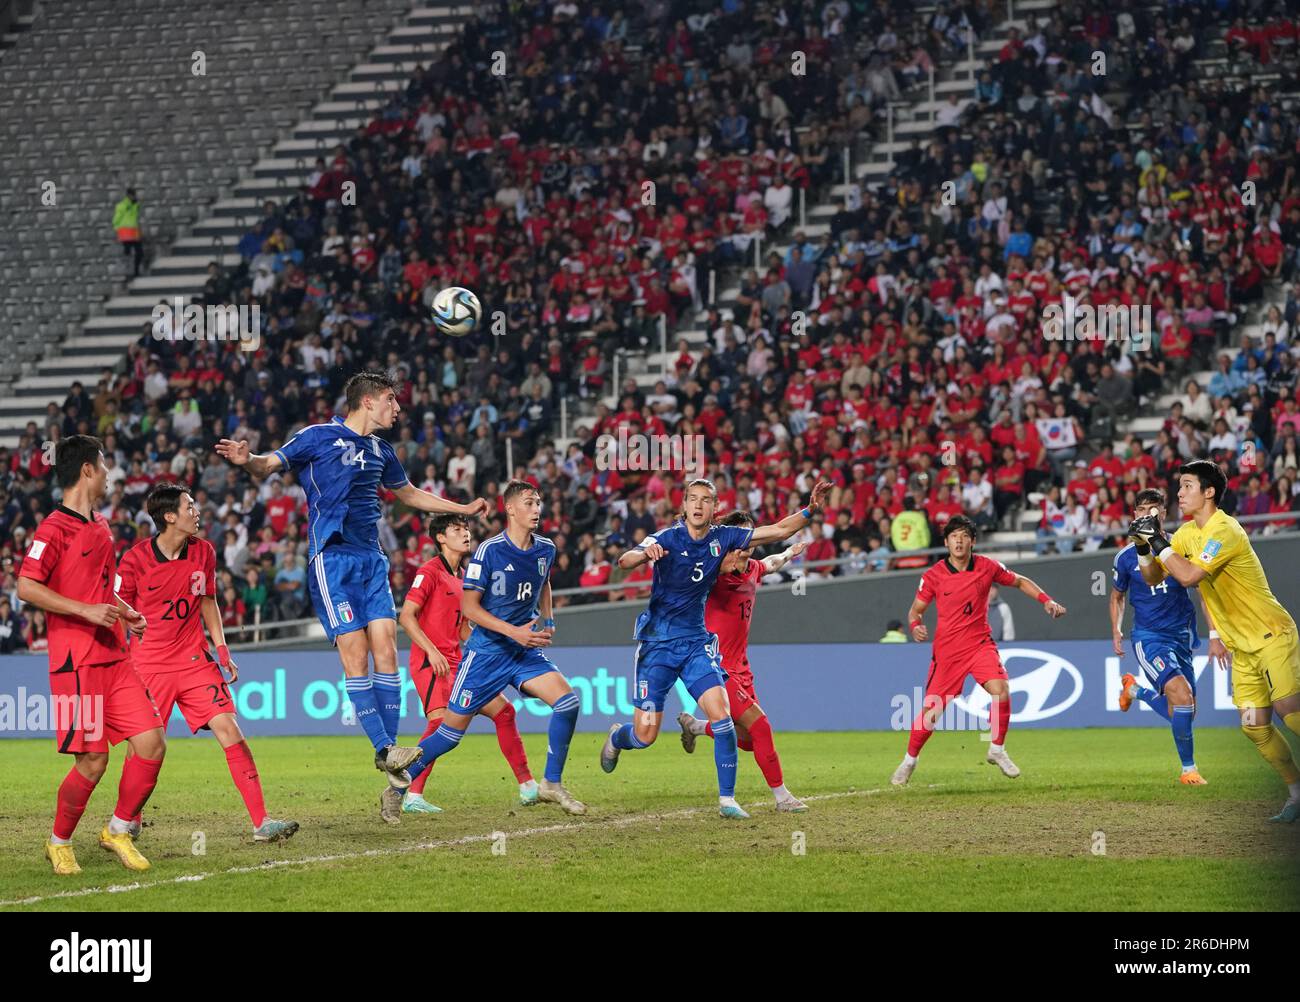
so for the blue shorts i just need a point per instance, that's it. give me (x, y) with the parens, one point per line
(660, 663)
(484, 675)
(349, 588)
(1161, 659)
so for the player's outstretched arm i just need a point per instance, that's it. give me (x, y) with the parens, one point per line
(47, 599)
(788, 526)
(471, 607)
(413, 497)
(237, 454)
(1053, 608)
(211, 613)
(648, 550)
(775, 562)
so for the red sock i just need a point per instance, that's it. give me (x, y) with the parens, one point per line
(920, 732)
(417, 784)
(239, 757)
(139, 777)
(512, 745)
(74, 792)
(760, 736)
(1000, 719)
(708, 728)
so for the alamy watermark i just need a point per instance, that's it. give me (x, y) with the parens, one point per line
(24, 712)
(181, 322)
(1111, 322)
(634, 451)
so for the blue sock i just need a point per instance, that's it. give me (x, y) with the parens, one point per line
(564, 718)
(724, 756)
(625, 738)
(1182, 723)
(362, 694)
(1154, 700)
(437, 744)
(388, 693)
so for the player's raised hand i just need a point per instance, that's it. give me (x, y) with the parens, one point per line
(819, 492)
(233, 452)
(920, 633)
(1219, 654)
(102, 614)
(1054, 609)
(797, 549)
(654, 551)
(477, 507)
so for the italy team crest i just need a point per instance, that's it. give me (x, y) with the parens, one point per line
(466, 697)
(345, 612)
(715, 549)
(643, 689)
(541, 566)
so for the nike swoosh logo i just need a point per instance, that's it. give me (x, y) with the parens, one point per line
(86, 553)
(154, 587)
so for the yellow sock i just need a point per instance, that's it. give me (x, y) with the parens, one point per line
(1277, 753)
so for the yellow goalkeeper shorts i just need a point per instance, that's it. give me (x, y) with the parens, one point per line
(1262, 677)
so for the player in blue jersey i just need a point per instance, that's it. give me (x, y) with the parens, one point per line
(672, 640)
(341, 465)
(1164, 636)
(507, 596)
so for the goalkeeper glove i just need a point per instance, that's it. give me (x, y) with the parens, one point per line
(1147, 530)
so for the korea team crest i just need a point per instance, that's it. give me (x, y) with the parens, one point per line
(715, 549)
(1212, 548)
(345, 612)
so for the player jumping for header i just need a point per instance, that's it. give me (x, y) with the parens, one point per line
(963, 643)
(729, 613)
(342, 464)
(1164, 636)
(507, 596)
(1249, 628)
(672, 640)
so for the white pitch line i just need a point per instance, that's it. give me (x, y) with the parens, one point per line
(191, 878)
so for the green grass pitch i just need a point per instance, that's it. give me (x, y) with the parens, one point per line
(961, 837)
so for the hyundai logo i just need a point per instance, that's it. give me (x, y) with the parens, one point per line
(1039, 685)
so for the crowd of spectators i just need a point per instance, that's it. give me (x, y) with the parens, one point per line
(585, 194)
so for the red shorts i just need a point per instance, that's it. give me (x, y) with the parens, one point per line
(100, 705)
(201, 692)
(740, 691)
(947, 677)
(435, 692)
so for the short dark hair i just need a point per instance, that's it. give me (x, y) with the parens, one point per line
(163, 500)
(1208, 475)
(1150, 495)
(364, 384)
(443, 521)
(960, 523)
(71, 454)
(738, 517)
(516, 487)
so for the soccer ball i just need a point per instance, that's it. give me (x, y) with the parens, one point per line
(456, 311)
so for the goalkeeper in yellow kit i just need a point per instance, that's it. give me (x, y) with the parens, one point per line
(1249, 629)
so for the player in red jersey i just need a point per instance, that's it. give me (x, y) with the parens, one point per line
(171, 578)
(98, 698)
(728, 613)
(432, 619)
(963, 642)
